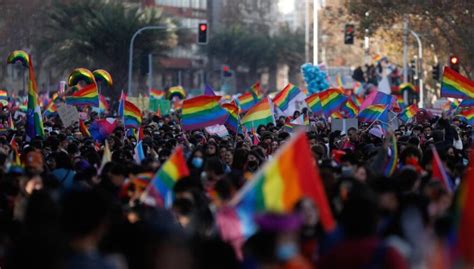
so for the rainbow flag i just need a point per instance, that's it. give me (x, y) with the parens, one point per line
(209, 91)
(232, 122)
(176, 91)
(331, 100)
(314, 103)
(83, 128)
(11, 124)
(87, 96)
(160, 190)
(103, 104)
(283, 99)
(383, 99)
(337, 115)
(288, 177)
(408, 113)
(467, 103)
(121, 105)
(351, 107)
(156, 94)
(468, 115)
(132, 115)
(3, 95)
(260, 114)
(245, 102)
(455, 85)
(400, 102)
(439, 172)
(339, 82)
(391, 164)
(256, 91)
(202, 111)
(466, 214)
(373, 113)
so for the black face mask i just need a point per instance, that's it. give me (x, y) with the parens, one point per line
(252, 165)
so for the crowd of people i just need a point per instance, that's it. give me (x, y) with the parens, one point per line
(65, 209)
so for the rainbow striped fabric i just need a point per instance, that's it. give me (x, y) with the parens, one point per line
(160, 190)
(103, 104)
(256, 91)
(3, 95)
(232, 122)
(156, 94)
(260, 114)
(83, 128)
(351, 107)
(202, 111)
(331, 100)
(455, 85)
(391, 164)
(467, 103)
(468, 115)
(87, 96)
(408, 113)
(314, 103)
(291, 175)
(245, 102)
(400, 102)
(132, 115)
(373, 113)
(176, 91)
(284, 97)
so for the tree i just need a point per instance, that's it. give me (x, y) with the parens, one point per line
(96, 34)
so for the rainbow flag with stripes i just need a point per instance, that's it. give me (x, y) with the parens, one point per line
(373, 113)
(391, 164)
(467, 103)
(351, 107)
(256, 91)
(408, 113)
(202, 111)
(103, 104)
(232, 122)
(87, 96)
(468, 115)
(132, 115)
(400, 102)
(160, 190)
(314, 103)
(245, 102)
(288, 177)
(121, 106)
(331, 100)
(339, 81)
(156, 94)
(260, 114)
(83, 128)
(455, 85)
(283, 99)
(3, 95)
(176, 91)
(10, 122)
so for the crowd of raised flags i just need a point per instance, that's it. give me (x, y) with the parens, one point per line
(288, 176)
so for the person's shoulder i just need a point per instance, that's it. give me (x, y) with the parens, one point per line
(394, 259)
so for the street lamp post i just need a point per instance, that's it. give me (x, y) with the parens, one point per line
(420, 67)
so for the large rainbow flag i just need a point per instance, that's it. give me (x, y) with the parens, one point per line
(331, 100)
(87, 96)
(284, 100)
(373, 113)
(314, 103)
(468, 115)
(160, 190)
(455, 85)
(260, 114)
(291, 175)
(202, 111)
(132, 115)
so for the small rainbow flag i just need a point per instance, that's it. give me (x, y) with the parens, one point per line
(83, 128)
(284, 97)
(232, 122)
(87, 96)
(176, 91)
(103, 104)
(391, 164)
(3, 95)
(256, 91)
(468, 115)
(408, 113)
(160, 190)
(288, 177)
(351, 107)
(11, 124)
(156, 94)
(202, 111)
(314, 103)
(339, 82)
(132, 115)
(401, 102)
(260, 114)
(331, 100)
(455, 85)
(373, 113)
(245, 102)
(337, 115)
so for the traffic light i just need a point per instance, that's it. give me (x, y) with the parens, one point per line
(436, 72)
(349, 34)
(454, 63)
(202, 33)
(226, 72)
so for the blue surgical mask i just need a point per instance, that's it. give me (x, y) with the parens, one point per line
(197, 162)
(286, 251)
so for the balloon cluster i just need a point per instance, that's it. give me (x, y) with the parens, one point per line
(315, 78)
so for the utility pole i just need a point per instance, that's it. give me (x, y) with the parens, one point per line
(420, 67)
(315, 32)
(306, 33)
(405, 56)
(150, 71)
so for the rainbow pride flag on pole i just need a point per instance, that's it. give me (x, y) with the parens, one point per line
(373, 113)
(455, 85)
(3, 95)
(284, 100)
(87, 96)
(291, 175)
(160, 190)
(245, 102)
(132, 115)
(314, 103)
(408, 113)
(156, 94)
(331, 100)
(202, 111)
(391, 164)
(351, 107)
(260, 114)
(103, 104)
(468, 115)
(232, 122)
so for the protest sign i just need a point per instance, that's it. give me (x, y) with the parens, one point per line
(343, 124)
(68, 114)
